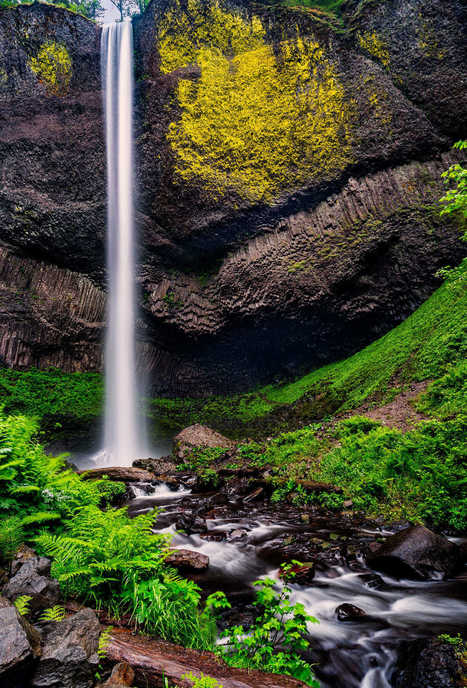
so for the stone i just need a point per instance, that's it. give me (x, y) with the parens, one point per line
(302, 574)
(350, 612)
(19, 644)
(122, 675)
(191, 523)
(196, 436)
(32, 578)
(428, 663)
(416, 552)
(69, 650)
(23, 554)
(188, 561)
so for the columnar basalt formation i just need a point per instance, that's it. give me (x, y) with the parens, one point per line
(288, 174)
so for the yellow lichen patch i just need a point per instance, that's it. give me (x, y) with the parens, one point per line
(3, 77)
(183, 32)
(53, 68)
(428, 42)
(258, 121)
(375, 46)
(378, 100)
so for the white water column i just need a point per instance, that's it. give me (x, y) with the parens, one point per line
(124, 435)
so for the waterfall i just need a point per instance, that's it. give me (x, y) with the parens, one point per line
(124, 435)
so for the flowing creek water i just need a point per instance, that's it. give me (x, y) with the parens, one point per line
(350, 654)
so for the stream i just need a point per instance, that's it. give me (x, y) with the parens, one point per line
(240, 540)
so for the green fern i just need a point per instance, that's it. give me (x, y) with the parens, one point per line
(56, 613)
(11, 537)
(24, 489)
(22, 604)
(40, 517)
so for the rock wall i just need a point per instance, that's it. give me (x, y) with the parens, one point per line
(287, 172)
(52, 160)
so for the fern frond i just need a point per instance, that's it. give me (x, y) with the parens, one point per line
(56, 613)
(40, 517)
(24, 489)
(22, 604)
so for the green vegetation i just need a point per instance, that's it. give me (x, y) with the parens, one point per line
(99, 554)
(275, 640)
(88, 8)
(421, 348)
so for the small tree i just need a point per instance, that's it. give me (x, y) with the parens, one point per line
(455, 199)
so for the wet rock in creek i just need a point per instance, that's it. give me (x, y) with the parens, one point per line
(350, 612)
(416, 553)
(190, 523)
(302, 574)
(158, 466)
(428, 664)
(188, 561)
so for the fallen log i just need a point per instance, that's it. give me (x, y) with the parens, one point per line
(125, 474)
(157, 663)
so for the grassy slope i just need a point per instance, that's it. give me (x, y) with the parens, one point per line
(418, 349)
(418, 474)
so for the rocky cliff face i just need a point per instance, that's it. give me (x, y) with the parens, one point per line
(287, 174)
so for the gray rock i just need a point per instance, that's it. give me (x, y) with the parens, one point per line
(428, 664)
(69, 652)
(19, 644)
(416, 552)
(32, 579)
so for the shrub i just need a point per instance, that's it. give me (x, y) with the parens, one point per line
(275, 640)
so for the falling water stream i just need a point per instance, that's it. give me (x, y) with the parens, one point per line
(124, 432)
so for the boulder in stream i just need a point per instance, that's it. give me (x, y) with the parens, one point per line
(188, 561)
(428, 663)
(350, 612)
(416, 553)
(199, 436)
(162, 466)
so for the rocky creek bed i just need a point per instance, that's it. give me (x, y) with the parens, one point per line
(382, 593)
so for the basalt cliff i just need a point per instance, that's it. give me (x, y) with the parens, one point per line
(288, 173)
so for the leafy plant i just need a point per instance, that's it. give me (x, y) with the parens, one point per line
(202, 681)
(117, 563)
(11, 536)
(275, 640)
(22, 604)
(455, 199)
(55, 613)
(102, 646)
